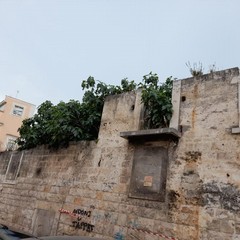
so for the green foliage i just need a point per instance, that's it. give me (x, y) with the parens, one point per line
(157, 101)
(57, 125)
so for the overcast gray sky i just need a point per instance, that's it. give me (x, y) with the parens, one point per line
(47, 47)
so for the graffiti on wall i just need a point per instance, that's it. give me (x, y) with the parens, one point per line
(79, 224)
(82, 212)
(82, 219)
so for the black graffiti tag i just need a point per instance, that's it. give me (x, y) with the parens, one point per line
(82, 225)
(82, 212)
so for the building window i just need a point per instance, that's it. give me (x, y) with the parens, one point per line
(149, 172)
(18, 110)
(13, 166)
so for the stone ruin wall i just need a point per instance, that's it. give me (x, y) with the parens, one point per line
(92, 179)
(205, 174)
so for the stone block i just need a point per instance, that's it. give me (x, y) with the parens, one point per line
(227, 226)
(225, 214)
(214, 235)
(214, 225)
(122, 219)
(109, 206)
(145, 223)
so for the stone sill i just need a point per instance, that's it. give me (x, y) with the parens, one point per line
(158, 133)
(235, 130)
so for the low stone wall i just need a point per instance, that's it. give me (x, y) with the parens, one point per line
(42, 184)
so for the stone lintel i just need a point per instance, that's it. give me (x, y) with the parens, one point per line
(159, 132)
(235, 130)
(176, 95)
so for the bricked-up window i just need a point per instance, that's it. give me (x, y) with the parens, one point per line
(149, 172)
(43, 222)
(13, 166)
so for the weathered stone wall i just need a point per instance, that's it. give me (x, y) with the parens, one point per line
(90, 176)
(93, 179)
(205, 174)
(43, 183)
